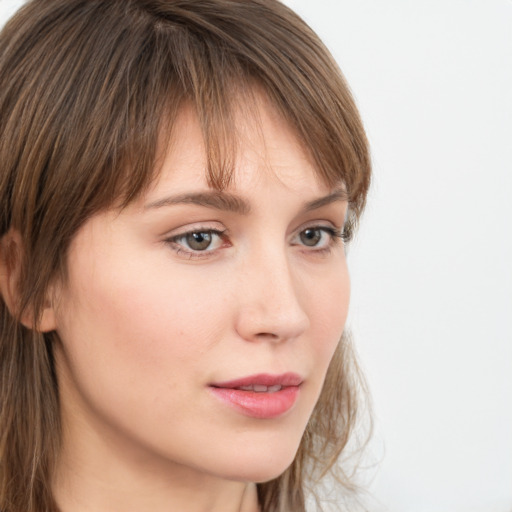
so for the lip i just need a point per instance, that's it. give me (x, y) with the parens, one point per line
(262, 405)
(262, 379)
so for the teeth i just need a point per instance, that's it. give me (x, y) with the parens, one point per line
(259, 388)
(249, 388)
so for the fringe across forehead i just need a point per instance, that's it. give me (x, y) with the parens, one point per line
(122, 71)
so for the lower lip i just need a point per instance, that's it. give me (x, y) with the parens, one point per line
(259, 405)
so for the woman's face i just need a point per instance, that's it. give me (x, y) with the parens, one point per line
(187, 295)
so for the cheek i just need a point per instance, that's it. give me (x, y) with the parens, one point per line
(139, 316)
(329, 303)
(326, 298)
(136, 349)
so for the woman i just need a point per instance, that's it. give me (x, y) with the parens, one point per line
(177, 181)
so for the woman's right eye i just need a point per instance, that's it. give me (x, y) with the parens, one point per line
(198, 241)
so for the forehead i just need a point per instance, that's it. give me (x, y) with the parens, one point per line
(262, 148)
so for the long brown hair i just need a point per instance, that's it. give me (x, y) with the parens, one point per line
(86, 88)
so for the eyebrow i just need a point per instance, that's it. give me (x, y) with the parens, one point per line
(216, 200)
(338, 195)
(232, 203)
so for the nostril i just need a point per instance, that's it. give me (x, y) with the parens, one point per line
(268, 335)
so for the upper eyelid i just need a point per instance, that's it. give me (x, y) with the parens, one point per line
(204, 228)
(324, 223)
(194, 228)
(197, 230)
(207, 227)
(331, 230)
(183, 234)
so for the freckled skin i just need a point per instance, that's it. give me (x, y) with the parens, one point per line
(146, 325)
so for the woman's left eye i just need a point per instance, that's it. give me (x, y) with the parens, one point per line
(318, 237)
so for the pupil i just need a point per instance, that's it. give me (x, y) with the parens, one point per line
(310, 237)
(199, 241)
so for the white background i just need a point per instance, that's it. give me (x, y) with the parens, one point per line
(432, 264)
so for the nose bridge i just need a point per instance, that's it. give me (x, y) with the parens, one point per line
(270, 302)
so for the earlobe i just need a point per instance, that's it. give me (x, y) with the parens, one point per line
(11, 251)
(47, 321)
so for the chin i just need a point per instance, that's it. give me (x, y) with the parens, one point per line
(258, 473)
(260, 463)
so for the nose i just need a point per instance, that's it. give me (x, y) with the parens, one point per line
(270, 300)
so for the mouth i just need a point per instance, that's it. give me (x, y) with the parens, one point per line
(260, 396)
(258, 388)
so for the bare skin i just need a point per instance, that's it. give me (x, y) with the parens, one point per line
(147, 323)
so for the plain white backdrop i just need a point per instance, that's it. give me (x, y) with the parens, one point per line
(432, 264)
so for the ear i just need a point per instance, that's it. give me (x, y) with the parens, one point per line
(11, 259)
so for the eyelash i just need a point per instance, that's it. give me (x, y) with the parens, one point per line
(177, 242)
(179, 248)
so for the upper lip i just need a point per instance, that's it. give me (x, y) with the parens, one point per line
(262, 379)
